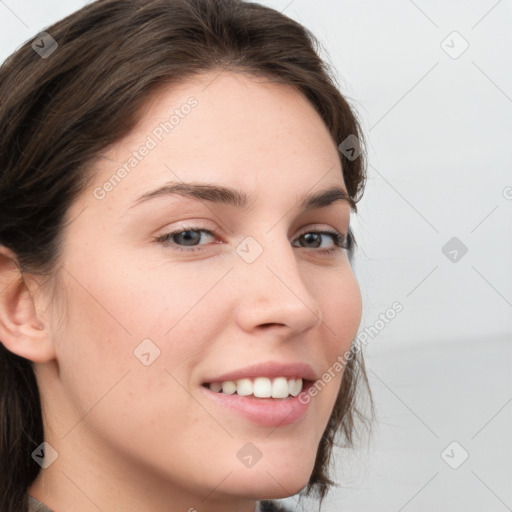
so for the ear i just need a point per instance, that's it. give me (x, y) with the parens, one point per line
(22, 331)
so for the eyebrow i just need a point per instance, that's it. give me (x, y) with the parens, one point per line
(234, 197)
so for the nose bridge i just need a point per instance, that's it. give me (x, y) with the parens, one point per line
(272, 287)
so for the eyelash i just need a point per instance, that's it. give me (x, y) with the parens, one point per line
(340, 240)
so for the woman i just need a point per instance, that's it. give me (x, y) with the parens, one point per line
(177, 303)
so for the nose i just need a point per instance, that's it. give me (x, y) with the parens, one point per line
(271, 291)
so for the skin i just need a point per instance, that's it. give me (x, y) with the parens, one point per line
(133, 437)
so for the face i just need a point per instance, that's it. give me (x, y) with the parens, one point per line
(167, 293)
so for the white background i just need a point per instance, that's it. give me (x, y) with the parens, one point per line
(439, 141)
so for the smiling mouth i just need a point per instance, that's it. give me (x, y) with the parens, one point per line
(280, 405)
(281, 388)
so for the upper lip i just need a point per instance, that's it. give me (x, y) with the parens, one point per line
(268, 369)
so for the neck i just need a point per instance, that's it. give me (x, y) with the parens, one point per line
(96, 483)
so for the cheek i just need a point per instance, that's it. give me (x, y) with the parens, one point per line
(115, 315)
(350, 310)
(115, 396)
(341, 304)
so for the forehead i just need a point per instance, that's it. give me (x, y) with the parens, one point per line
(224, 127)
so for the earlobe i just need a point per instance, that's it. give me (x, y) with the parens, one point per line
(22, 332)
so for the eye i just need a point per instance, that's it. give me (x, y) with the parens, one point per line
(313, 240)
(187, 239)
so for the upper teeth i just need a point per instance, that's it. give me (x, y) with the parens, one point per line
(260, 387)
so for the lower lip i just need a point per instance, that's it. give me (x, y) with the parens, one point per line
(268, 412)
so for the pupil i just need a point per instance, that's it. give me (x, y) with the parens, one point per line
(189, 237)
(310, 236)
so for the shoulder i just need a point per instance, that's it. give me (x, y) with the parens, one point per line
(36, 506)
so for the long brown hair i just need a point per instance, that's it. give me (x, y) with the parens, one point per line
(59, 110)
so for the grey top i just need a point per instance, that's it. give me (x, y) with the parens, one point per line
(35, 505)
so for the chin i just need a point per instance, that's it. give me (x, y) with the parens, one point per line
(272, 481)
(271, 487)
